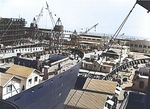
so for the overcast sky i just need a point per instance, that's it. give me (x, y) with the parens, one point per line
(77, 14)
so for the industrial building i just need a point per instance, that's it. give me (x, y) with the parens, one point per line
(89, 41)
(142, 46)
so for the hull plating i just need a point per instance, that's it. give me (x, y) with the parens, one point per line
(50, 94)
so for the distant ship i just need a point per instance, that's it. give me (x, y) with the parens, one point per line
(51, 92)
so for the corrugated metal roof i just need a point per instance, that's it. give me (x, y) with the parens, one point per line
(4, 78)
(88, 100)
(20, 70)
(102, 86)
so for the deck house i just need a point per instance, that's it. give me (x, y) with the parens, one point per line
(30, 76)
(9, 85)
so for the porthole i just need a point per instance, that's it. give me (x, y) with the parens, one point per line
(59, 94)
(32, 90)
(40, 87)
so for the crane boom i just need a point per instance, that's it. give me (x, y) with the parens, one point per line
(50, 14)
(90, 28)
(39, 16)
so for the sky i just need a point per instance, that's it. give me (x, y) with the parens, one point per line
(81, 15)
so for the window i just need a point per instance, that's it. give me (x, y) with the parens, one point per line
(148, 46)
(131, 45)
(35, 79)
(136, 45)
(30, 81)
(144, 46)
(140, 46)
(9, 88)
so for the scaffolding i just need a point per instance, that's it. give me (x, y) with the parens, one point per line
(11, 29)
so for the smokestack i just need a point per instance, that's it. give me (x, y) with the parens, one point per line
(38, 62)
(46, 72)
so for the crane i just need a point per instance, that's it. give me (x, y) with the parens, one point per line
(35, 21)
(39, 16)
(57, 28)
(50, 14)
(75, 36)
(90, 28)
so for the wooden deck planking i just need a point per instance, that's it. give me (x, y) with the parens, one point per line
(88, 100)
(64, 64)
(100, 86)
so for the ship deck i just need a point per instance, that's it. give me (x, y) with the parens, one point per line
(88, 100)
(65, 64)
(92, 96)
(101, 86)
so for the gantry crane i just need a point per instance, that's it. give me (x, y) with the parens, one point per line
(51, 16)
(35, 21)
(57, 30)
(39, 16)
(35, 24)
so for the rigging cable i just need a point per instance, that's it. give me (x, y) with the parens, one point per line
(119, 29)
(107, 47)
